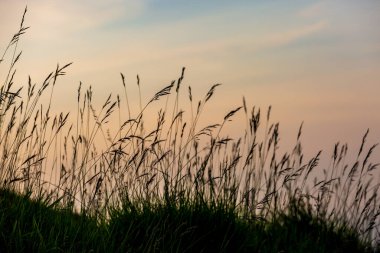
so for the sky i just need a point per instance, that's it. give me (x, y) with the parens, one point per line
(316, 62)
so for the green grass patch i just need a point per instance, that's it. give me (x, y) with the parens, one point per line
(32, 225)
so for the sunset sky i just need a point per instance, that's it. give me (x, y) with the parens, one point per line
(313, 61)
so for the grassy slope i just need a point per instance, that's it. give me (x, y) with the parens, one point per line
(31, 225)
(190, 227)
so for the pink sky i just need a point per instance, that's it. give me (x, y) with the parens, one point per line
(313, 61)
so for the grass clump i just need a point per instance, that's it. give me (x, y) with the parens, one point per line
(171, 187)
(37, 226)
(187, 228)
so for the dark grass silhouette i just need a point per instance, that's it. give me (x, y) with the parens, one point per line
(172, 187)
(34, 225)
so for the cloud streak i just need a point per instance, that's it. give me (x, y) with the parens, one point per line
(73, 17)
(313, 10)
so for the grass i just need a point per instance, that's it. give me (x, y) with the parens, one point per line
(172, 187)
(33, 225)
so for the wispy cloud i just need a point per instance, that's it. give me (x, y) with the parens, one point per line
(68, 18)
(76, 16)
(293, 35)
(312, 10)
(244, 42)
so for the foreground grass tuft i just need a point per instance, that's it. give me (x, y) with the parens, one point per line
(31, 225)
